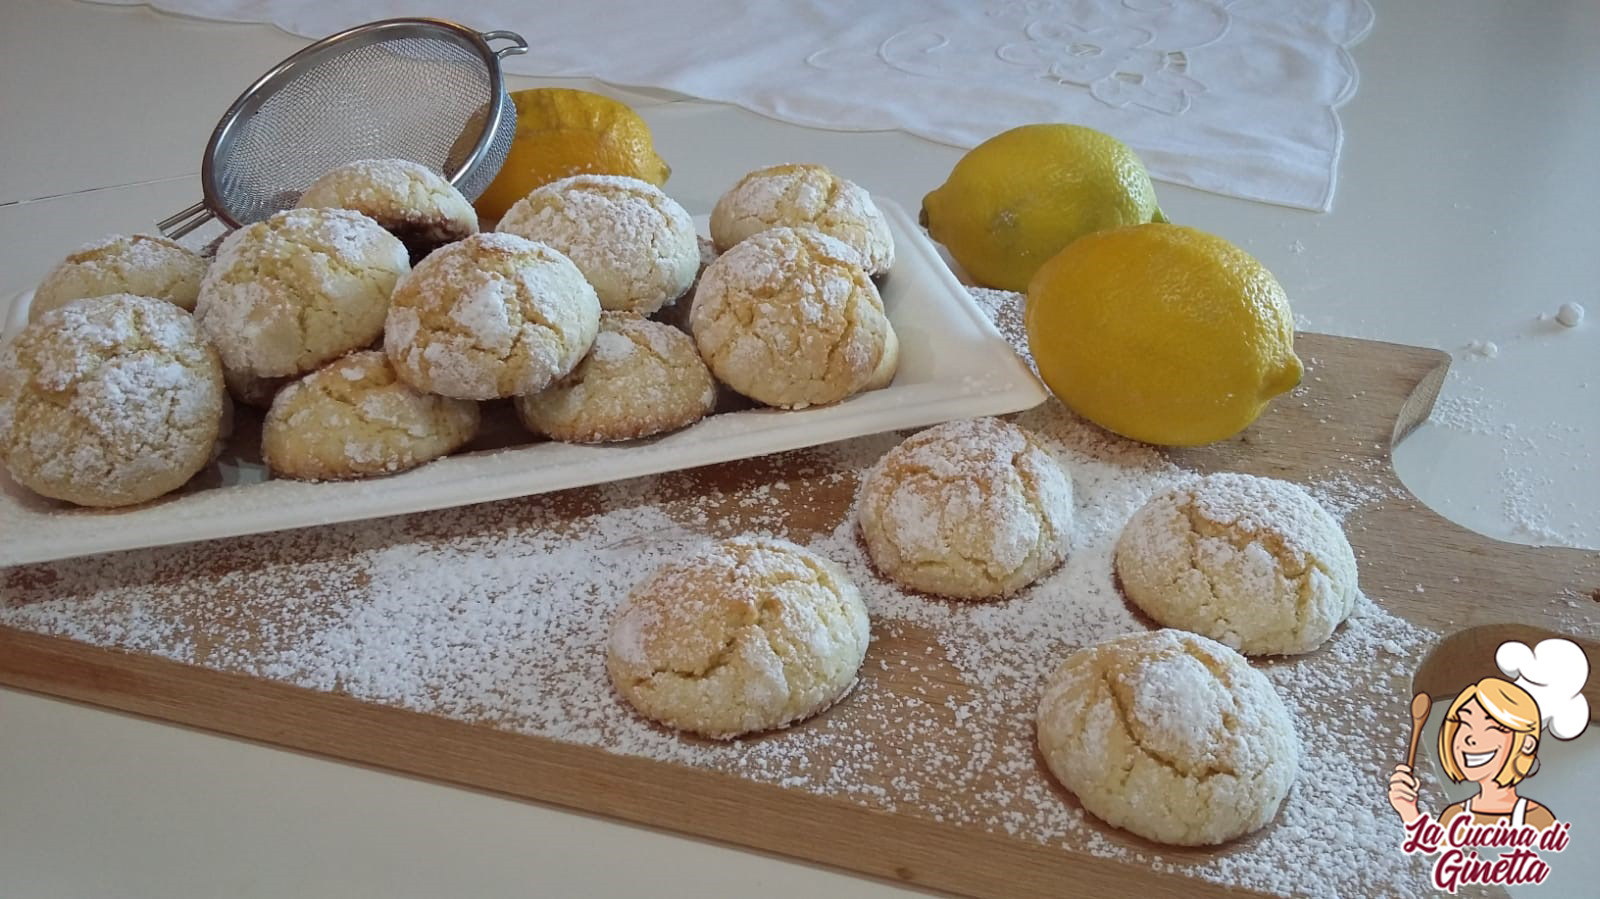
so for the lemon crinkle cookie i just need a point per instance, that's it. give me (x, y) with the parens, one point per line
(1169, 735)
(411, 201)
(788, 319)
(635, 244)
(299, 289)
(746, 635)
(140, 264)
(972, 509)
(109, 401)
(1252, 562)
(641, 378)
(355, 419)
(804, 195)
(492, 316)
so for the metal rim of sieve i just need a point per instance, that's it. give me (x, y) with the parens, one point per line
(280, 75)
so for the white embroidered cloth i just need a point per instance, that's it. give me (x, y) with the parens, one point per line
(1238, 97)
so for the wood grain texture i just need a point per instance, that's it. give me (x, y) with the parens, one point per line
(1360, 397)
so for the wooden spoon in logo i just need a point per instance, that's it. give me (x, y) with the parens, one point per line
(1420, 705)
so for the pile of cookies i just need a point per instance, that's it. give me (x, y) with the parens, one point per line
(1169, 733)
(372, 320)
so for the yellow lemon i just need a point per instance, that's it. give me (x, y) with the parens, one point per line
(562, 132)
(1016, 199)
(1161, 333)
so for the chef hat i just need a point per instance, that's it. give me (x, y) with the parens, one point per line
(1553, 673)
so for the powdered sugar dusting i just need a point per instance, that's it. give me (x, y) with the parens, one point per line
(742, 635)
(969, 508)
(117, 256)
(490, 316)
(805, 195)
(482, 311)
(413, 202)
(1178, 706)
(116, 389)
(636, 245)
(641, 378)
(379, 181)
(612, 346)
(139, 264)
(498, 615)
(297, 289)
(786, 317)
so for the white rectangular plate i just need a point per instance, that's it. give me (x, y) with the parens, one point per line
(953, 364)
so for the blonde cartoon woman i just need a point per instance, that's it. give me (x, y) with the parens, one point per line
(1490, 736)
(1491, 733)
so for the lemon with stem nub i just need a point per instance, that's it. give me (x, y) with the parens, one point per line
(1161, 333)
(562, 132)
(1016, 199)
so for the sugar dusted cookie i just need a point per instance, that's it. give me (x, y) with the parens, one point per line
(109, 401)
(140, 264)
(492, 316)
(804, 196)
(746, 635)
(411, 201)
(1169, 735)
(970, 509)
(635, 244)
(355, 419)
(300, 289)
(641, 378)
(1254, 563)
(789, 319)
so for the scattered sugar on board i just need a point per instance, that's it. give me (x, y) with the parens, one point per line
(497, 615)
(1464, 406)
(1345, 490)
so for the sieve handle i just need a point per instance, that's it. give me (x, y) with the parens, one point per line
(181, 223)
(518, 44)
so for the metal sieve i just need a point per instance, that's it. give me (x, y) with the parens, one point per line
(425, 90)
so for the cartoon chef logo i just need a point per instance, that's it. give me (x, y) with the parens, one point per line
(1490, 737)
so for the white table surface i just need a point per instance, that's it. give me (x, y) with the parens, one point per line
(1465, 210)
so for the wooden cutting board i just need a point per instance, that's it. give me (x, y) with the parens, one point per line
(1361, 398)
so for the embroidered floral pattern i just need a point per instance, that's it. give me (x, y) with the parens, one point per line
(1233, 96)
(1123, 52)
(1119, 65)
